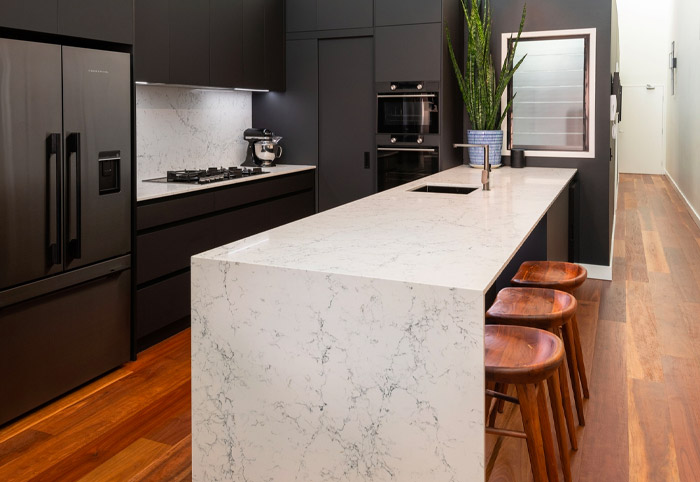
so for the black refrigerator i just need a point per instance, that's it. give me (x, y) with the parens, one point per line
(65, 219)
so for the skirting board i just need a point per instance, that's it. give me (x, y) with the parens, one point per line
(693, 213)
(601, 271)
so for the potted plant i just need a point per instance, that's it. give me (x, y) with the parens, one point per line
(480, 89)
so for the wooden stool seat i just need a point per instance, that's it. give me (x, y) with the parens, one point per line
(527, 358)
(518, 354)
(556, 275)
(536, 307)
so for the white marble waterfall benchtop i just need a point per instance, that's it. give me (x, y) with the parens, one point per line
(348, 346)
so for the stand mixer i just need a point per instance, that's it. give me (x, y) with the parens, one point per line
(263, 148)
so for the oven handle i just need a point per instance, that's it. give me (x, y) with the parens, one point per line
(405, 149)
(398, 96)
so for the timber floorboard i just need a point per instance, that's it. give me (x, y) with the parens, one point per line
(641, 340)
(640, 335)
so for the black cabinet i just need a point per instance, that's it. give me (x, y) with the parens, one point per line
(152, 41)
(274, 45)
(346, 128)
(217, 43)
(406, 12)
(37, 15)
(108, 20)
(253, 44)
(226, 50)
(301, 15)
(341, 14)
(408, 52)
(172, 230)
(189, 42)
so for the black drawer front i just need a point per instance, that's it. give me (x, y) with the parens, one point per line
(54, 343)
(155, 213)
(169, 250)
(161, 304)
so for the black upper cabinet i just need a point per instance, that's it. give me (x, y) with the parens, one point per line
(341, 14)
(301, 15)
(274, 45)
(189, 42)
(405, 12)
(253, 43)
(152, 41)
(408, 52)
(109, 20)
(37, 15)
(217, 43)
(226, 51)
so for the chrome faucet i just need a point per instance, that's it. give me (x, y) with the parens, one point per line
(486, 173)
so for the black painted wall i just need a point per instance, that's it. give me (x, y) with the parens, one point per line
(595, 174)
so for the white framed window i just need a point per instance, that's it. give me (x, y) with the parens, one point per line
(553, 113)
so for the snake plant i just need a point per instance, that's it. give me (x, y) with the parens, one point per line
(480, 90)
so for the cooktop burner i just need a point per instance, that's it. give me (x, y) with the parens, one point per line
(206, 176)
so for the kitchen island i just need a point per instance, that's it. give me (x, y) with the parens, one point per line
(349, 345)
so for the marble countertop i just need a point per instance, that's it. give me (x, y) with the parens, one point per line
(448, 240)
(154, 190)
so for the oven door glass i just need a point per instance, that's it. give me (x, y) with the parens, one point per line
(407, 113)
(397, 166)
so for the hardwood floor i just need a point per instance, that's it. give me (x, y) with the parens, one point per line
(641, 340)
(133, 424)
(641, 343)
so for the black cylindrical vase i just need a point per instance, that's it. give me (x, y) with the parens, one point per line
(517, 158)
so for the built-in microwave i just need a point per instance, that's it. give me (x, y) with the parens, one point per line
(407, 112)
(399, 165)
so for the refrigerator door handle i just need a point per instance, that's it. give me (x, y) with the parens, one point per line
(53, 148)
(73, 147)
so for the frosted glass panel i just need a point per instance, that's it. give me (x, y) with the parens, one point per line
(549, 108)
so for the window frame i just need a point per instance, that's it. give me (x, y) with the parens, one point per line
(589, 35)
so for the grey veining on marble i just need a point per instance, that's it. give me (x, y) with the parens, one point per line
(178, 128)
(453, 240)
(304, 376)
(153, 190)
(348, 346)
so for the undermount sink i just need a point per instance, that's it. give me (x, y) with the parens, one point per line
(445, 189)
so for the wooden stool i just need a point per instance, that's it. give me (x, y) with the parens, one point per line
(526, 357)
(562, 276)
(549, 310)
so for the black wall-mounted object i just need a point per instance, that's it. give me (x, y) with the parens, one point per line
(106, 20)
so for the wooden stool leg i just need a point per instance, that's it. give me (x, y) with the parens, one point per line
(527, 394)
(502, 403)
(559, 424)
(579, 356)
(568, 337)
(568, 412)
(549, 457)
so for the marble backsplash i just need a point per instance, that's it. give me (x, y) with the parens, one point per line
(178, 128)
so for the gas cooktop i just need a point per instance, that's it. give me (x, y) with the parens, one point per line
(206, 176)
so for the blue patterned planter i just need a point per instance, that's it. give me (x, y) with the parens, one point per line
(476, 154)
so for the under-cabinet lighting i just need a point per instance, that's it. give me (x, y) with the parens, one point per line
(251, 90)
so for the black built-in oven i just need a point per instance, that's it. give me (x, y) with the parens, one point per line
(407, 109)
(398, 165)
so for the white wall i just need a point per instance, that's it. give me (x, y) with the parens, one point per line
(184, 128)
(683, 145)
(645, 40)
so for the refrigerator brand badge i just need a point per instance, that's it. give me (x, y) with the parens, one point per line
(98, 71)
